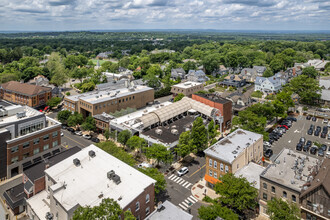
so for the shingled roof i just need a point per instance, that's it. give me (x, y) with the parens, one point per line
(24, 88)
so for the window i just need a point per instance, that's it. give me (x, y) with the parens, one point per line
(14, 159)
(210, 172)
(14, 149)
(221, 166)
(126, 99)
(133, 96)
(104, 105)
(285, 195)
(226, 169)
(237, 166)
(147, 198)
(36, 141)
(215, 165)
(26, 145)
(129, 210)
(147, 211)
(210, 162)
(137, 206)
(54, 134)
(265, 185)
(293, 198)
(26, 155)
(264, 196)
(46, 147)
(309, 204)
(215, 175)
(55, 143)
(35, 151)
(273, 189)
(119, 101)
(46, 137)
(95, 107)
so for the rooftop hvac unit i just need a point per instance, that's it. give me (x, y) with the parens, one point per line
(116, 179)
(91, 153)
(49, 216)
(20, 115)
(159, 131)
(110, 174)
(234, 152)
(175, 131)
(76, 162)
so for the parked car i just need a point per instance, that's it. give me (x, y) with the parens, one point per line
(323, 135)
(306, 148)
(328, 136)
(313, 150)
(302, 140)
(308, 117)
(284, 126)
(299, 146)
(328, 124)
(318, 128)
(62, 134)
(182, 171)
(310, 131)
(268, 153)
(320, 153)
(86, 136)
(95, 139)
(144, 165)
(79, 133)
(291, 118)
(309, 143)
(324, 147)
(271, 141)
(71, 130)
(312, 126)
(325, 129)
(316, 133)
(266, 143)
(314, 119)
(64, 127)
(325, 121)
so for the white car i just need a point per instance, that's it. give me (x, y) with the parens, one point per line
(325, 121)
(79, 133)
(144, 165)
(182, 171)
(62, 134)
(86, 136)
(266, 143)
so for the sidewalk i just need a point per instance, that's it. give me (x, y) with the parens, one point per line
(198, 190)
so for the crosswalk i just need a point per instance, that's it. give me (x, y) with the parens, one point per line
(180, 181)
(189, 201)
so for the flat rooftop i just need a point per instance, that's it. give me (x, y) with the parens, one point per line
(291, 169)
(252, 173)
(231, 146)
(214, 98)
(169, 211)
(187, 85)
(40, 203)
(88, 184)
(10, 113)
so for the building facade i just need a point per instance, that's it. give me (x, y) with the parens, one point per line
(268, 85)
(25, 94)
(102, 121)
(187, 88)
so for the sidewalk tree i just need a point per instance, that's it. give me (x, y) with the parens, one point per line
(89, 124)
(63, 116)
(75, 119)
(53, 102)
(135, 142)
(212, 130)
(123, 136)
(185, 145)
(158, 152)
(199, 134)
(216, 210)
(107, 134)
(278, 209)
(236, 192)
(156, 175)
(178, 97)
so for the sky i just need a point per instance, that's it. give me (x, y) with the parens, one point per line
(66, 15)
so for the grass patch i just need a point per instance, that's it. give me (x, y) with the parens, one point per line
(101, 61)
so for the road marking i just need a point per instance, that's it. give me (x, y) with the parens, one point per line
(181, 206)
(177, 180)
(74, 141)
(296, 131)
(197, 171)
(192, 197)
(193, 201)
(171, 176)
(289, 141)
(188, 185)
(180, 182)
(185, 204)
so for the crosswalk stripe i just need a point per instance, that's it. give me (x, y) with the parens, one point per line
(181, 181)
(193, 198)
(175, 178)
(185, 204)
(188, 185)
(184, 208)
(186, 201)
(193, 201)
(185, 184)
(171, 176)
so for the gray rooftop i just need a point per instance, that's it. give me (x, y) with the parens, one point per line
(169, 212)
(252, 173)
(231, 146)
(291, 169)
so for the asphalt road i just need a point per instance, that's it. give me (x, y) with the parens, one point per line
(291, 138)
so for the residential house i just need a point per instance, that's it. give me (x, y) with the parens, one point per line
(234, 81)
(197, 76)
(41, 80)
(102, 121)
(85, 179)
(268, 85)
(178, 73)
(232, 153)
(316, 63)
(221, 71)
(286, 178)
(239, 99)
(169, 211)
(251, 74)
(104, 55)
(293, 72)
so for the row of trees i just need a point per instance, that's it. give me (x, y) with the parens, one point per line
(75, 119)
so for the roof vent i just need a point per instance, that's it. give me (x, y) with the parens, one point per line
(49, 216)
(234, 152)
(91, 153)
(76, 162)
(110, 174)
(116, 179)
(159, 206)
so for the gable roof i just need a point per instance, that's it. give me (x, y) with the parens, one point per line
(24, 88)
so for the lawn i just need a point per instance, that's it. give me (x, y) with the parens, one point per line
(95, 61)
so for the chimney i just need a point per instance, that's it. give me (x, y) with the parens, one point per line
(245, 72)
(293, 71)
(322, 60)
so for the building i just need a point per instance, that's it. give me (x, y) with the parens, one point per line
(41, 80)
(325, 92)
(197, 76)
(231, 154)
(85, 179)
(234, 81)
(268, 85)
(250, 74)
(169, 211)
(108, 100)
(118, 76)
(252, 173)
(241, 100)
(25, 94)
(215, 101)
(26, 136)
(187, 88)
(285, 178)
(33, 181)
(315, 195)
(104, 55)
(178, 73)
(221, 71)
(102, 121)
(316, 63)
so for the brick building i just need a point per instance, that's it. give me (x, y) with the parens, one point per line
(87, 177)
(231, 154)
(224, 105)
(25, 94)
(102, 121)
(26, 137)
(97, 102)
(187, 88)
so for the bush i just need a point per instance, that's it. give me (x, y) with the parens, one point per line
(163, 92)
(270, 97)
(67, 93)
(211, 90)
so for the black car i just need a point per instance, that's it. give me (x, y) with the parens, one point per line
(306, 148)
(310, 131)
(291, 118)
(325, 129)
(324, 147)
(320, 153)
(316, 133)
(268, 153)
(299, 146)
(318, 128)
(271, 141)
(308, 117)
(313, 150)
(323, 135)
(312, 126)
(71, 130)
(273, 137)
(309, 143)
(314, 119)
(302, 140)
(95, 139)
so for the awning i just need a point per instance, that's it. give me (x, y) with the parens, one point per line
(211, 179)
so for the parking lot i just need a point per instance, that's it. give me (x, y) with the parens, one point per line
(292, 136)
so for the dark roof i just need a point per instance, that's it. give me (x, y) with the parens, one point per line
(214, 98)
(105, 118)
(24, 88)
(321, 178)
(37, 171)
(28, 186)
(4, 103)
(15, 196)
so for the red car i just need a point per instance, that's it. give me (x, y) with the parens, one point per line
(284, 126)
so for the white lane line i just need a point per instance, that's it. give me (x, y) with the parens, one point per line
(176, 178)
(184, 208)
(185, 204)
(193, 201)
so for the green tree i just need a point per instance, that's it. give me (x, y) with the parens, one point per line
(53, 102)
(276, 65)
(310, 72)
(156, 175)
(89, 124)
(285, 98)
(236, 192)
(216, 210)
(211, 62)
(124, 136)
(212, 130)
(185, 145)
(278, 209)
(31, 72)
(158, 152)
(268, 73)
(155, 70)
(152, 81)
(79, 73)
(63, 116)
(135, 142)
(189, 66)
(199, 134)
(89, 86)
(111, 148)
(75, 119)
(107, 134)
(178, 97)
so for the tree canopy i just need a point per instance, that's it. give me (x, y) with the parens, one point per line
(278, 209)
(158, 152)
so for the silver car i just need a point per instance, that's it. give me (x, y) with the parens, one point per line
(182, 171)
